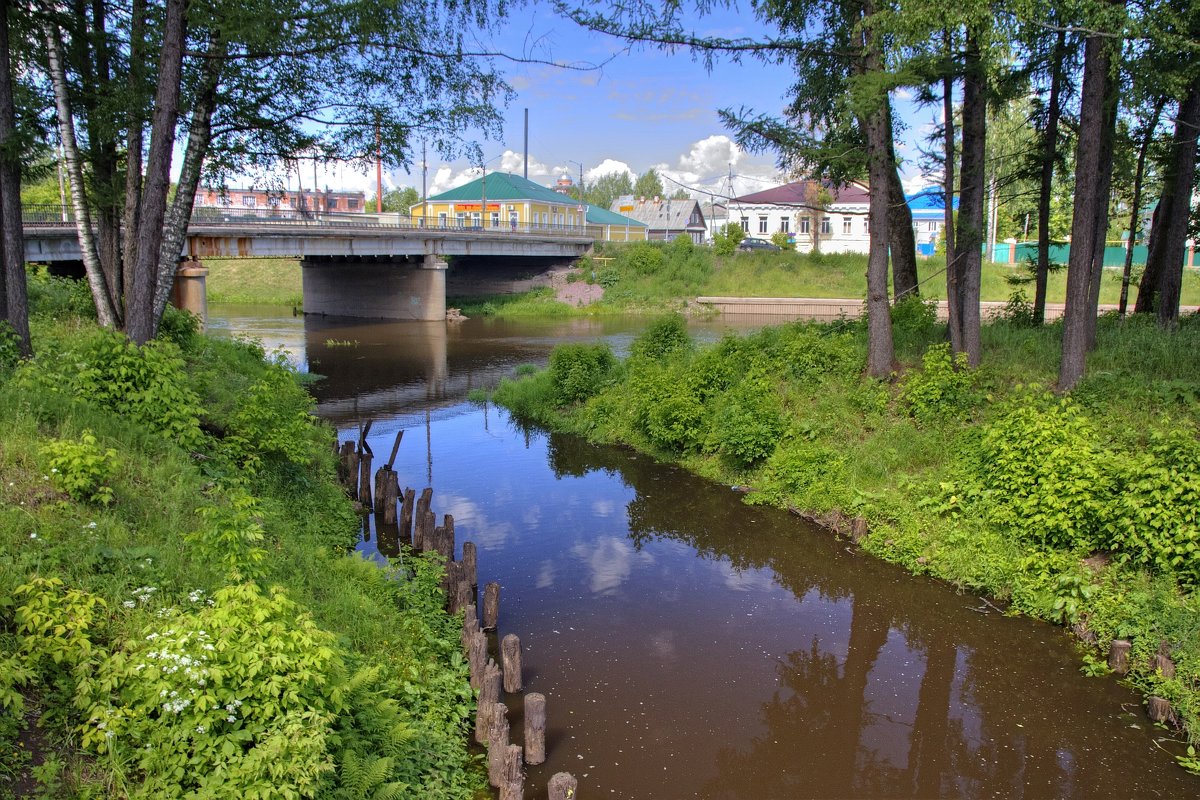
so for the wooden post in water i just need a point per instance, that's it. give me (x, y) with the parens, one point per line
(489, 694)
(491, 606)
(477, 658)
(364, 479)
(395, 449)
(386, 489)
(406, 516)
(348, 466)
(497, 742)
(463, 596)
(449, 544)
(563, 786)
(470, 627)
(422, 509)
(423, 532)
(1118, 656)
(1160, 711)
(512, 777)
(510, 659)
(469, 564)
(535, 728)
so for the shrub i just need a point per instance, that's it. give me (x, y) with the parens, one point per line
(230, 538)
(782, 241)
(942, 388)
(10, 353)
(664, 337)
(748, 423)
(579, 371)
(271, 423)
(726, 239)
(81, 469)
(232, 700)
(643, 258)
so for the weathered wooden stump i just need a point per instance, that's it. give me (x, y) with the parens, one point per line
(510, 660)
(1160, 711)
(477, 658)
(406, 516)
(489, 694)
(497, 742)
(535, 728)
(364, 479)
(423, 531)
(1118, 656)
(512, 776)
(463, 596)
(389, 490)
(448, 526)
(491, 606)
(348, 466)
(470, 562)
(470, 627)
(442, 541)
(1162, 661)
(858, 529)
(563, 786)
(422, 509)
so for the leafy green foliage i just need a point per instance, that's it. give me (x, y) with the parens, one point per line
(665, 336)
(271, 423)
(747, 423)
(942, 388)
(236, 699)
(231, 537)
(10, 352)
(727, 238)
(579, 371)
(81, 469)
(782, 241)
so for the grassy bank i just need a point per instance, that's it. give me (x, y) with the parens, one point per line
(181, 612)
(1083, 511)
(254, 281)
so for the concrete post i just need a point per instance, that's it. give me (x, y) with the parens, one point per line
(433, 275)
(189, 292)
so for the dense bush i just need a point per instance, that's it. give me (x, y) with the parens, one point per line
(664, 337)
(747, 423)
(727, 238)
(579, 371)
(943, 387)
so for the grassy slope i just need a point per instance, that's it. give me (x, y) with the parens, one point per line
(253, 281)
(854, 447)
(377, 622)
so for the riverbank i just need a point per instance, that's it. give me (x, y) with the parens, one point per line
(181, 610)
(1080, 511)
(648, 277)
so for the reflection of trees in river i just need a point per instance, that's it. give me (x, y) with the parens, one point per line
(982, 716)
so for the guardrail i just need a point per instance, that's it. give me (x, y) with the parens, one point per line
(57, 216)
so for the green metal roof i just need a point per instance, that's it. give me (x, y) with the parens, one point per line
(502, 186)
(602, 216)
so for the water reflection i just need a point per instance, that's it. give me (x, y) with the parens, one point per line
(693, 646)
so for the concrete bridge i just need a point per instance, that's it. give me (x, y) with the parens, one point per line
(375, 266)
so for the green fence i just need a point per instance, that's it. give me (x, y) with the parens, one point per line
(1114, 254)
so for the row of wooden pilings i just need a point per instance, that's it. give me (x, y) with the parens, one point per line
(417, 525)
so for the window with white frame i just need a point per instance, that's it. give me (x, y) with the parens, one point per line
(762, 224)
(495, 219)
(249, 200)
(847, 225)
(746, 224)
(826, 224)
(804, 225)
(441, 219)
(784, 224)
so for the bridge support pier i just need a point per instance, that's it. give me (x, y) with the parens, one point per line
(189, 292)
(375, 287)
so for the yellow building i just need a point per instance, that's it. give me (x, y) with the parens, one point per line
(503, 201)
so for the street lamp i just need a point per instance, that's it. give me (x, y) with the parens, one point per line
(582, 201)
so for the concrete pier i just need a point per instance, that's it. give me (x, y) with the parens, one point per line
(375, 287)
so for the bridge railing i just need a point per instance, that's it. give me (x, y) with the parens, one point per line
(220, 215)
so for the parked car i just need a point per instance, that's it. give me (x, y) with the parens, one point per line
(757, 244)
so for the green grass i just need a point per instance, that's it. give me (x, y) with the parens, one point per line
(254, 281)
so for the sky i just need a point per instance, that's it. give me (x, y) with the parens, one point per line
(638, 108)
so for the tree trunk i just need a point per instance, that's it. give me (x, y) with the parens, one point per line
(1103, 201)
(96, 100)
(1088, 160)
(969, 237)
(13, 300)
(1174, 226)
(903, 244)
(1049, 150)
(134, 122)
(880, 349)
(1135, 215)
(954, 310)
(199, 137)
(1148, 286)
(101, 296)
(140, 322)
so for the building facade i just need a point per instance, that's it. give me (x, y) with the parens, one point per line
(261, 200)
(813, 215)
(665, 218)
(503, 201)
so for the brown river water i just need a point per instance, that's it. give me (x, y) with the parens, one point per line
(691, 646)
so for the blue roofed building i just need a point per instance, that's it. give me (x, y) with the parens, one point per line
(929, 218)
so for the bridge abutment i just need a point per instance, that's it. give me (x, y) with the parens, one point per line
(375, 287)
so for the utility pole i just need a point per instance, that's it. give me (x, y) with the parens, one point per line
(424, 196)
(378, 170)
(527, 144)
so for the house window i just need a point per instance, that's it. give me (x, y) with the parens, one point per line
(441, 219)
(249, 200)
(867, 225)
(931, 226)
(762, 224)
(804, 225)
(847, 225)
(495, 219)
(745, 224)
(476, 220)
(330, 203)
(291, 202)
(461, 218)
(225, 201)
(352, 205)
(784, 224)
(273, 202)
(826, 225)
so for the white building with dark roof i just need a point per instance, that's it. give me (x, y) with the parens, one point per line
(665, 218)
(815, 216)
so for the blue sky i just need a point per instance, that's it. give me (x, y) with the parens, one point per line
(643, 108)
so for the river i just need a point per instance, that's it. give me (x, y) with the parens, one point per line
(692, 646)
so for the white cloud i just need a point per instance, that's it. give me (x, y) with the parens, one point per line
(610, 560)
(903, 94)
(607, 167)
